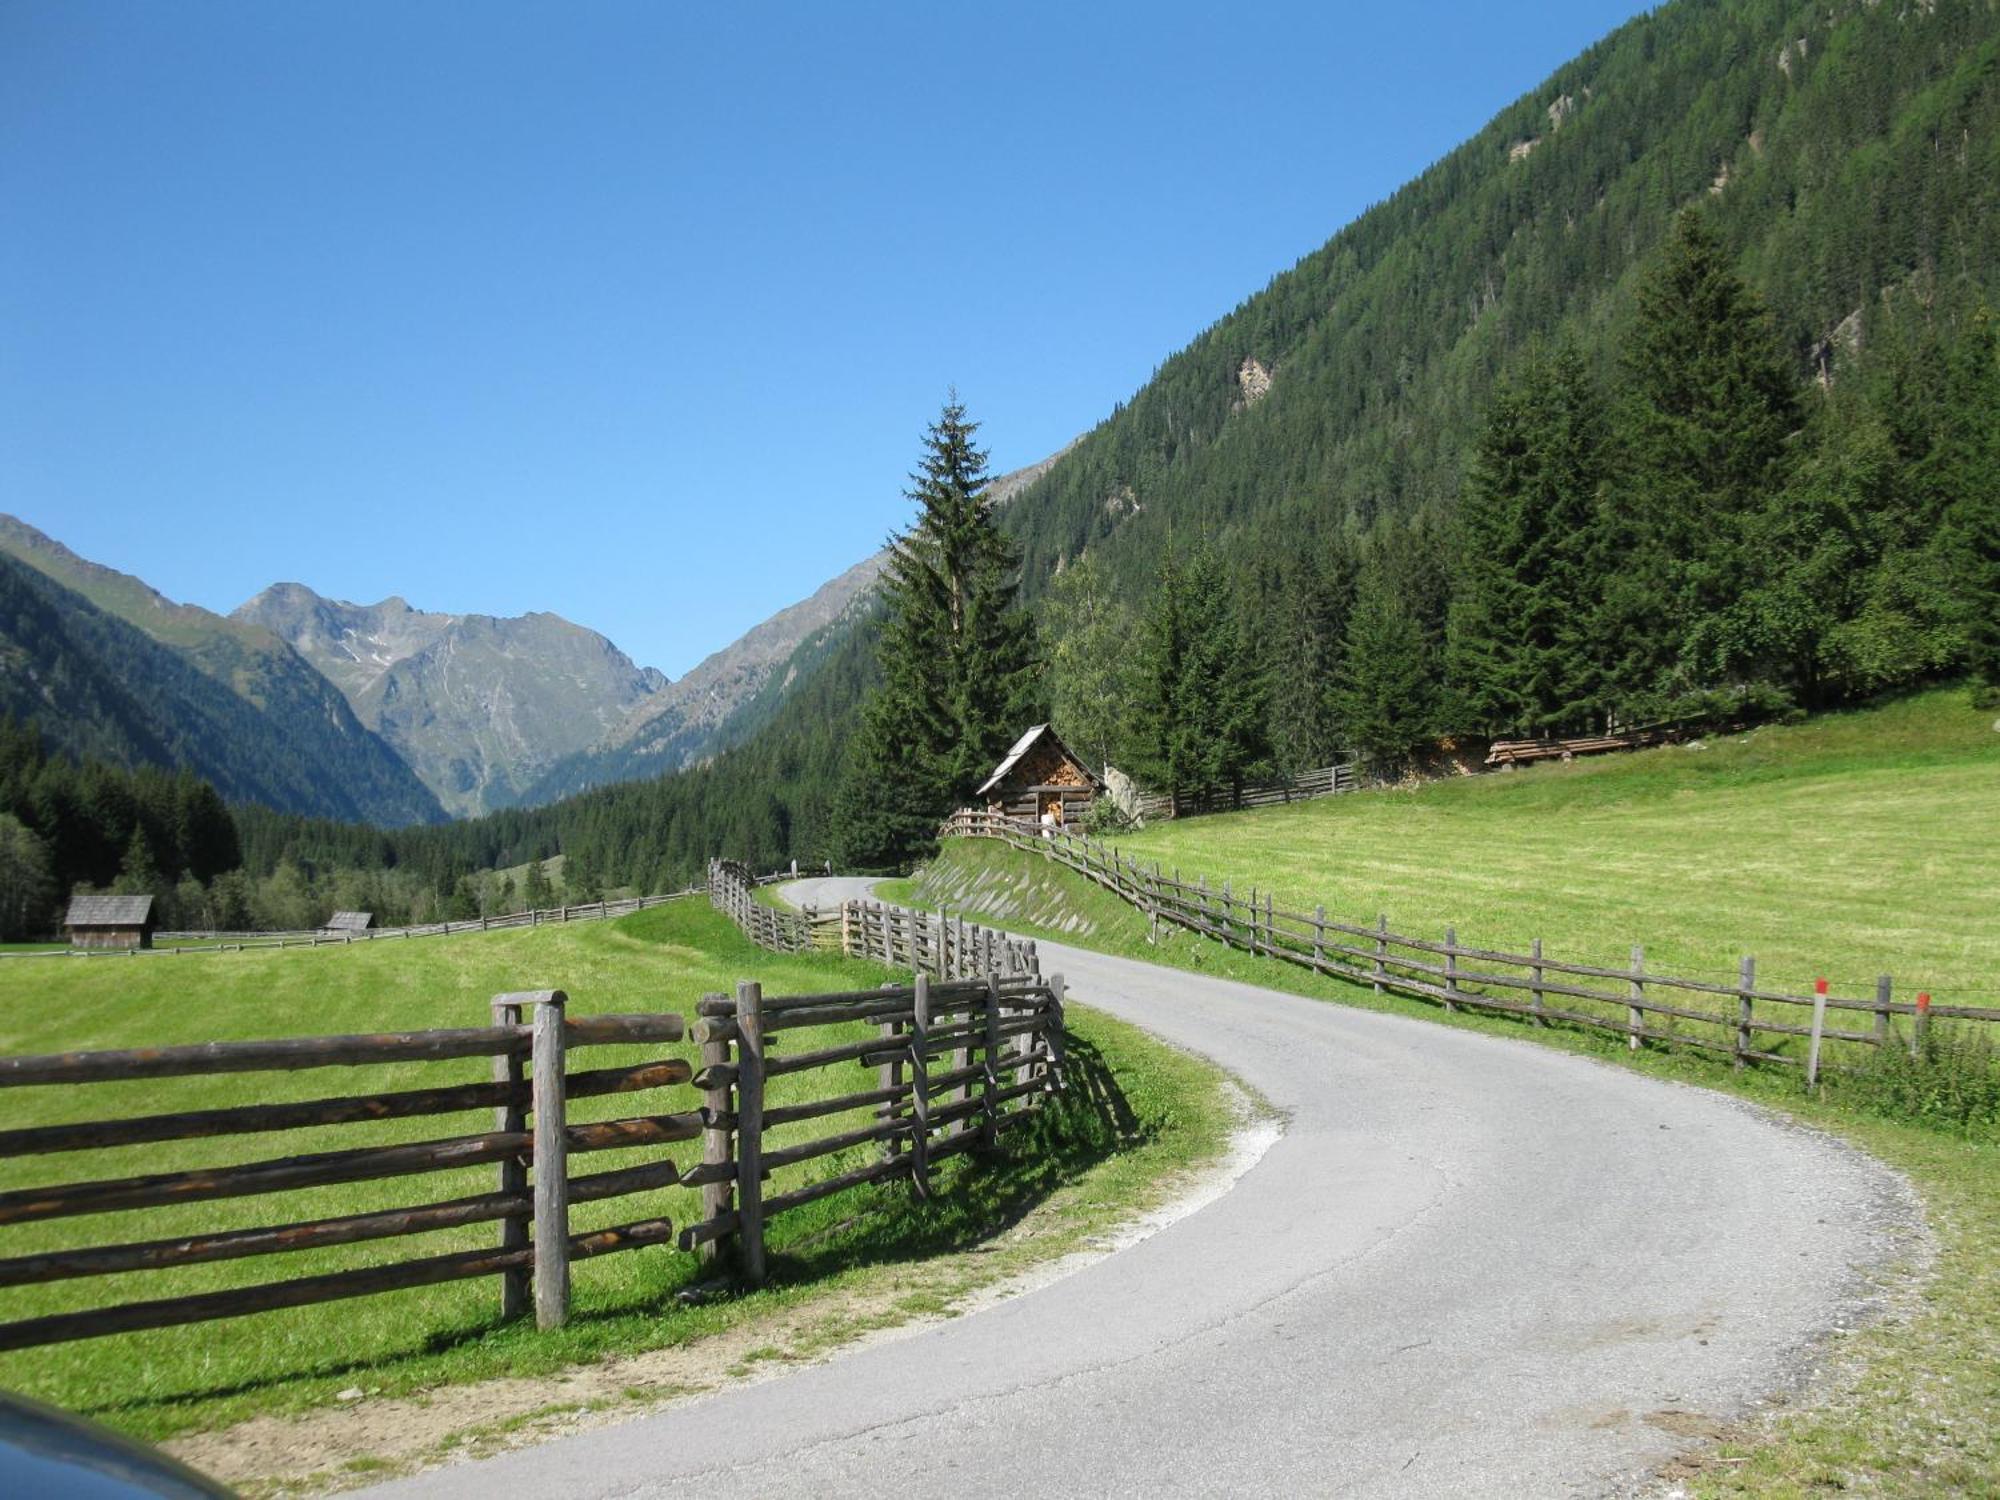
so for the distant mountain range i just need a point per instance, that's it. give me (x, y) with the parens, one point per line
(382, 713)
(477, 706)
(110, 668)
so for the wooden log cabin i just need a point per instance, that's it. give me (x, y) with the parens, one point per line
(110, 922)
(347, 923)
(1041, 781)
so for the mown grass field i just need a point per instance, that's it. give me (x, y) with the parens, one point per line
(1851, 846)
(1142, 1113)
(1843, 847)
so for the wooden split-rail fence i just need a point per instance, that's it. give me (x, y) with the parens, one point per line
(976, 1031)
(957, 1062)
(957, 1059)
(530, 1145)
(1636, 1002)
(940, 945)
(1327, 781)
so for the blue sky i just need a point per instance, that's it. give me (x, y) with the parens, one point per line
(637, 312)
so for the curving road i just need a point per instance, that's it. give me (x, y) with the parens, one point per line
(1469, 1266)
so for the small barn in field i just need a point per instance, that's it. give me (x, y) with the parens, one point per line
(110, 922)
(1042, 781)
(343, 923)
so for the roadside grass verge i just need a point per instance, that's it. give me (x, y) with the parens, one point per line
(1907, 1407)
(1138, 1114)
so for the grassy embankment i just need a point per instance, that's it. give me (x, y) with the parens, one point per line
(1138, 1114)
(1853, 845)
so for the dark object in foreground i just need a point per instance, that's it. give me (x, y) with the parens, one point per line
(56, 1455)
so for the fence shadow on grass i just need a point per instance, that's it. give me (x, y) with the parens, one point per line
(981, 1195)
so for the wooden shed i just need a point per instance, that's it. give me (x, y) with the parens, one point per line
(110, 922)
(1041, 781)
(342, 923)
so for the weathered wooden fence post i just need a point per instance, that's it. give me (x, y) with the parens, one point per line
(1535, 977)
(1319, 938)
(551, 1162)
(1450, 967)
(1818, 1031)
(1635, 1004)
(920, 1102)
(889, 1075)
(716, 1137)
(989, 1127)
(750, 1130)
(511, 1117)
(1882, 992)
(1381, 951)
(1746, 981)
(1057, 1052)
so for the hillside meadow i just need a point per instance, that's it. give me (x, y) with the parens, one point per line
(1078, 1169)
(1853, 845)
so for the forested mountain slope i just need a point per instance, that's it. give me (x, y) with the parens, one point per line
(1848, 157)
(98, 687)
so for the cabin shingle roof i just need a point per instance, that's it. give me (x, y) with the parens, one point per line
(109, 911)
(349, 921)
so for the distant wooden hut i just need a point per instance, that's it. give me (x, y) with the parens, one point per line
(1042, 781)
(344, 923)
(110, 922)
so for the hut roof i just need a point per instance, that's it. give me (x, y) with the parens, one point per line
(109, 911)
(349, 921)
(1021, 747)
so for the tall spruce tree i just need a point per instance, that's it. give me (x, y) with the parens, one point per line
(1306, 623)
(1709, 403)
(1520, 651)
(1089, 634)
(1203, 708)
(1386, 689)
(957, 657)
(1964, 468)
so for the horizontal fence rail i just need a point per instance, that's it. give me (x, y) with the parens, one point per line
(531, 1144)
(944, 946)
(977, 1031)
(1533, 985)
(943, 1065)
(957, 1063)
(1327, 781)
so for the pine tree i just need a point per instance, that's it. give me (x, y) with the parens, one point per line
(1709, 403)
(27, 886)
(536, 892)
(139, 872)
(957, 658)
(1307, 620)
(1520, 648)
(1965, 469)
(1203, 708)
(1090, 634)
(1386, 688)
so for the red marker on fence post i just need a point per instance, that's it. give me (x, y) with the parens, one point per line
(1922, 1025)
(1818, 1026)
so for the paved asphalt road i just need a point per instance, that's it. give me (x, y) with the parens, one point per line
(1470, 1266)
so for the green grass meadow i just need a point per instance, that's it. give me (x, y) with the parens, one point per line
(1141, 1112)
(1851, 846)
